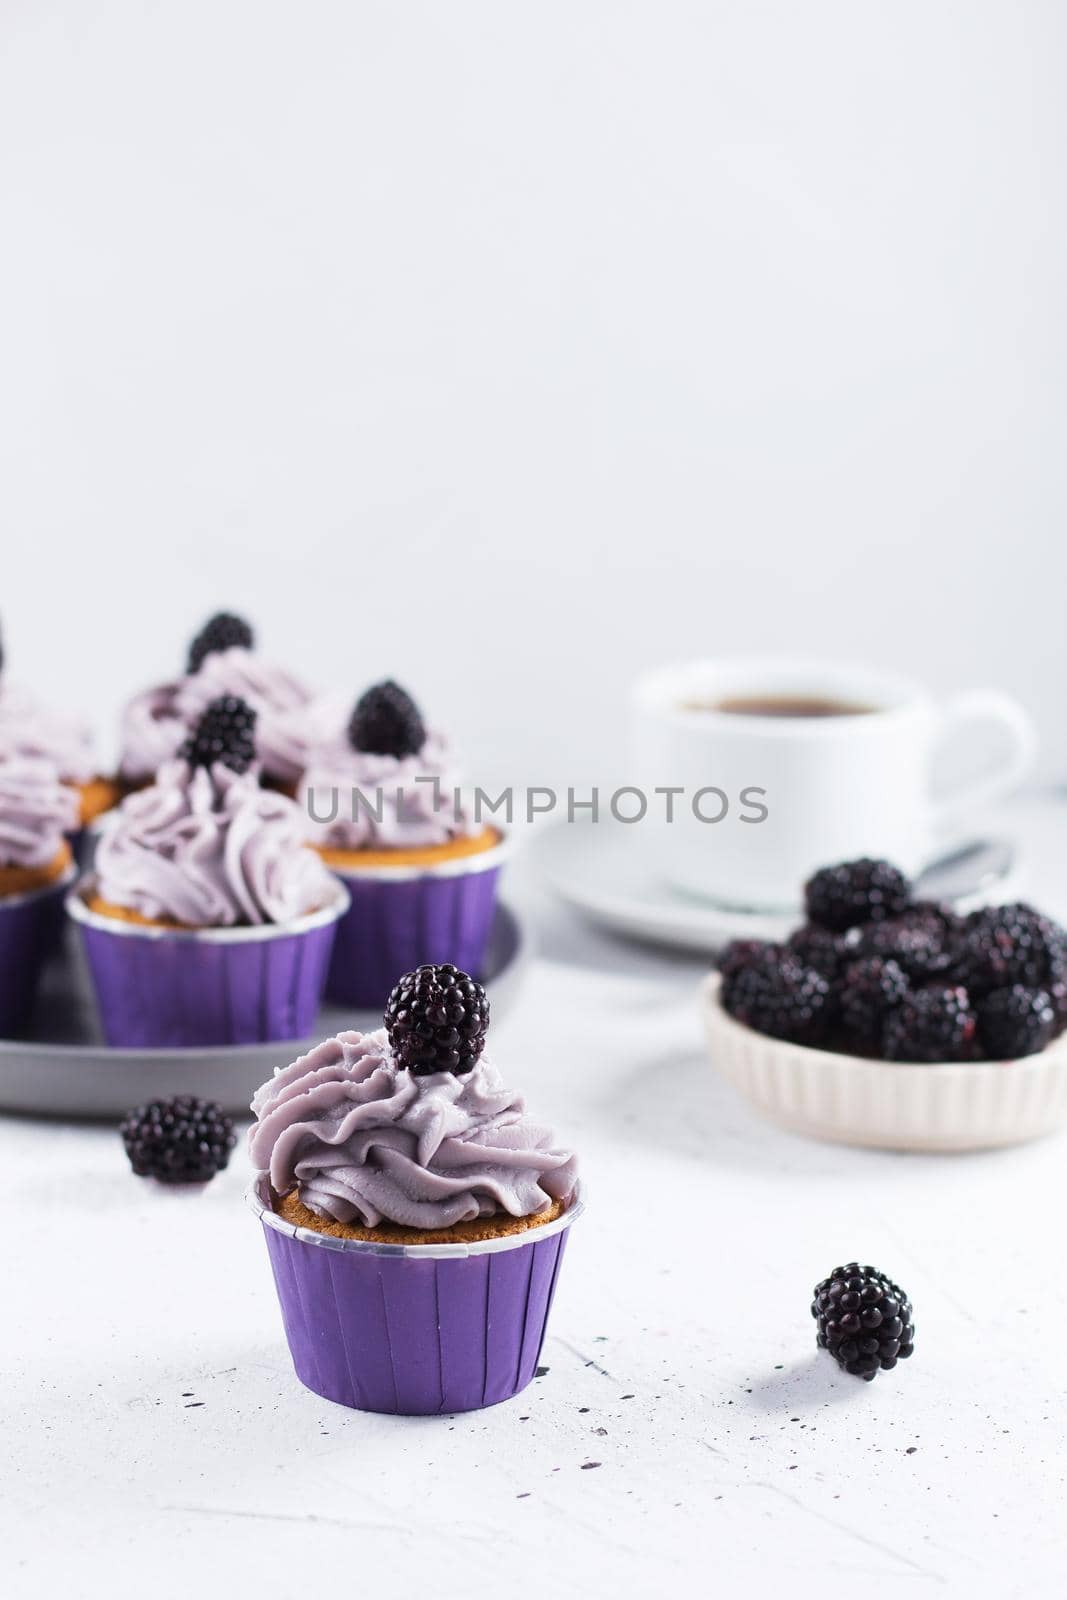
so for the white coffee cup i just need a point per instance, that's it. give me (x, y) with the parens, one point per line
(766, 799)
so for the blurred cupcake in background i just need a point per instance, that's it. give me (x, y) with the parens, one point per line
(208, 920)
(223, 660)
(37, 811)
(31, 729)
(414, 1212)
(385, 810)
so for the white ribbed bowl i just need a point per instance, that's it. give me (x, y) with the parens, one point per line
(886, 1104)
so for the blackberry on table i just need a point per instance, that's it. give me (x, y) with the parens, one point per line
(183, 1140)
(387, 722)
(863, 1319)
(855, 891)
(1015, 1022)
(436, 1019)
(777, 996)
(220, 632)
(870, 988)
(931, 1024)
(819, 948)
(226, 733)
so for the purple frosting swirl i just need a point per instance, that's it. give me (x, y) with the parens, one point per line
(152, 732)
(369, 1142)
(416, 797)
(36, 810)
(290, 719)
(28, 728)
(210, 849)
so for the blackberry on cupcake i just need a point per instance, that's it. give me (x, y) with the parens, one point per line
(223, 631)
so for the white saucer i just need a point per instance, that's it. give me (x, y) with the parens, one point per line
(602, 870)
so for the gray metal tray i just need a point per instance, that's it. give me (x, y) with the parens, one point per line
(62, 1067)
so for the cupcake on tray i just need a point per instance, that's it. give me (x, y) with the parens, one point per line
(37, 811)
(386, 814)
(208, 920)
(31, 729)
(222, 660)
(415, 1215)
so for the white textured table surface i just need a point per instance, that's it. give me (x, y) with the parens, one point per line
(686, 1436)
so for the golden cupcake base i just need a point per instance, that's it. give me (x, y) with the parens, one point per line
(96, 797)
(24, 880)
(292, 1209)
(430, 855)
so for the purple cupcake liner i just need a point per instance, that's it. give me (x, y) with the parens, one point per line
(159, 987)
(401, 918)
(414, 1330)
(31, 926)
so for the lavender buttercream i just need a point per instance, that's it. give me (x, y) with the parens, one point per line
(290, 719)
(36, 810)
(210, 848)
(28, 728)
(356, 799)
(366, 1141)
(152, 732)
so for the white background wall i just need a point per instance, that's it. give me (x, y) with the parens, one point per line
(509, 348)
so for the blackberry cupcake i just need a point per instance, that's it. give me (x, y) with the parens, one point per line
(208, 920)
(222, 660)
(36, 868)
(386, 814)
(30, 729)
(415, 1216)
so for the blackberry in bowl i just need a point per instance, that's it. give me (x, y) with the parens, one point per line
(894, 1022)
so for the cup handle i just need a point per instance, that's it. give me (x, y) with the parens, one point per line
(998, 710)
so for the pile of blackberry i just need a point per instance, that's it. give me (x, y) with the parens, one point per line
(875, 972)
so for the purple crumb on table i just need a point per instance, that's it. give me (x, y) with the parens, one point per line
(587, 1466)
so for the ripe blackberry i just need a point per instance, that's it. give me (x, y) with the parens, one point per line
(745, 953)
(856, 891)
(386, 722)
(863, 1319)
(220, 632)
(1003, 945)
(934, 1024)
(224, 733)
(178, 1141)
(1016, 1022)
(817, 947)
(923, 940)
(870, 988)
(777, 996)
(436, 1019)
